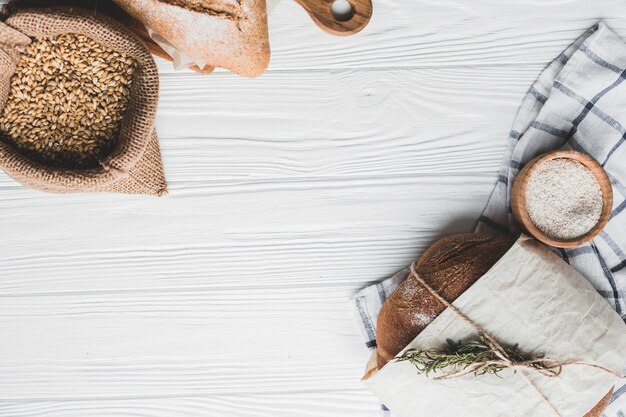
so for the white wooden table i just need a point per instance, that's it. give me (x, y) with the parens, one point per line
(288, 193)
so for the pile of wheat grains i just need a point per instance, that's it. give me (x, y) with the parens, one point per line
(66, 101)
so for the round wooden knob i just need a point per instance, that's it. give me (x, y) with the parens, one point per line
(337, 20)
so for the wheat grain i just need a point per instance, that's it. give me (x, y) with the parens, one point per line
(66, 101)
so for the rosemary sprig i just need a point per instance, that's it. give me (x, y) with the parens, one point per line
(460, 356)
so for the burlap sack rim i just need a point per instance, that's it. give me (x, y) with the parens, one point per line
(137, 124)
(147, 177)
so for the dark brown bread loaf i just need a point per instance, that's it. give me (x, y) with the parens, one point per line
(450, 265)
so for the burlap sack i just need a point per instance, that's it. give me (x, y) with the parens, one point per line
(135, 165)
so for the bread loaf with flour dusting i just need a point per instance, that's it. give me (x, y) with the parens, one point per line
(231, 34)
(450, 265)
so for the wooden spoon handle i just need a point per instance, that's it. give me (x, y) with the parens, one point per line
(322, 14)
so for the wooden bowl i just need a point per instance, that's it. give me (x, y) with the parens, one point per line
(518, 197)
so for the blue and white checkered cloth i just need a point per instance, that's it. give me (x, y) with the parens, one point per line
(579, 102)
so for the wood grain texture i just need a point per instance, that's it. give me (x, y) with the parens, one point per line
(435, 34)
(288, 193)
(307, 404)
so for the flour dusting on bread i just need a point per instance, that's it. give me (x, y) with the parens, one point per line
(231, 34)
(422, 319)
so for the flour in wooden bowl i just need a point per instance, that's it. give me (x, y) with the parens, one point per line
(563, 199)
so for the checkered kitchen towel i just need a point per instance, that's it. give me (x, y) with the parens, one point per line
(579, 102)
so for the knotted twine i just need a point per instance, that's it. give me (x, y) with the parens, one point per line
(544, 366)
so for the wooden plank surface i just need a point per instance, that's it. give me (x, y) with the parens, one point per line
(288, 193)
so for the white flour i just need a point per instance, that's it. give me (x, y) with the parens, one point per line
(422, 319)
(563, 199)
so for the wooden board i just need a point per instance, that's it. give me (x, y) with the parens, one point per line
(347, 23)
(288, 193)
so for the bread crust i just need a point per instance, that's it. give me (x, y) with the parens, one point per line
(231, 34)
(599, 408)
(450, 265)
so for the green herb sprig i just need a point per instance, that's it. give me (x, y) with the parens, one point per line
(460, 356)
